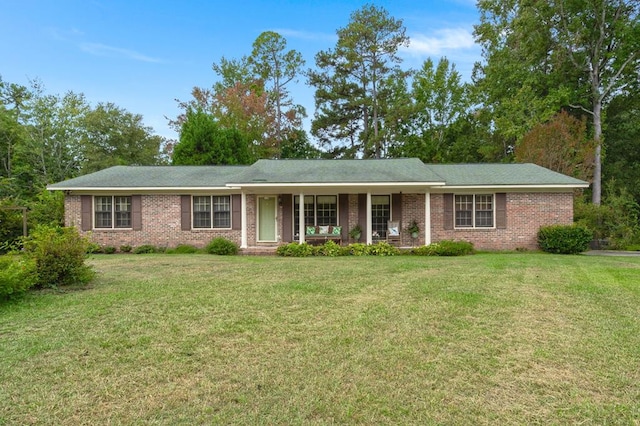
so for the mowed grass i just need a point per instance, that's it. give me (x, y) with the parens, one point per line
(195, 339)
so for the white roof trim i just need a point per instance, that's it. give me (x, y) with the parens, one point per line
(532, 186)
(145, 188)
(330, 184)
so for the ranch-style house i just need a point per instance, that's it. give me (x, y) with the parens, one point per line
(259, 206)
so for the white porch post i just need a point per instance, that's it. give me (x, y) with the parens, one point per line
(243, 215)
(368, 227)
(427, 218)
(301, 228)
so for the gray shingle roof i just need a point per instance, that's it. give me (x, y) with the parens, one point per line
(336, 171)
(154, 177)
(406, 170)
(501, 174)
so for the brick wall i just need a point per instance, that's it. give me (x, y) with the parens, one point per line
(526, 213)
(160, 225)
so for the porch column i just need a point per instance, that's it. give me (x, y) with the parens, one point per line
(427, 218)
(368, 227)
(243, 214)
(301, 228)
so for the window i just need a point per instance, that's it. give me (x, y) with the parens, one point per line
(112, 212)
(380, 214)
(320, 210)
(212, 211)
(474, 211)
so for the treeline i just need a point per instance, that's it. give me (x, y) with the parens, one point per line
(558, 85)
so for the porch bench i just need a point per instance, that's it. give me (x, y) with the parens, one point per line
(323, 234)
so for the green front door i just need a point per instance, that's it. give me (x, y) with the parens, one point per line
(267, 218)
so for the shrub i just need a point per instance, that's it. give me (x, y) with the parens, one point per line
(222, 246)
(125, 248)
(59, 255)
(358, 249)
(330, 248)
(382, 248)
(564, 239)
(94, 248)
(445, 248)
(295, 250)
(17, 275)
(145, 249)
(109, 250)
(183, 249)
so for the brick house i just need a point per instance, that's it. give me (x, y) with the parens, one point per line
(494, 206)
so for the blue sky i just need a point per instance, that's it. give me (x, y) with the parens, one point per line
(142, 55)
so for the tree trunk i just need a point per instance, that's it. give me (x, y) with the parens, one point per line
(596, 196)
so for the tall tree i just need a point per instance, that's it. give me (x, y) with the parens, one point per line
(204, 142)
(113, 136)
(277, 67)
(541, 56)
(363, 59)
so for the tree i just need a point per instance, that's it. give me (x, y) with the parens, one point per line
(561, 144)
(297, 145)
(113, 136)
(542, 56)
(277, 68)
(352, 76)
(204, 142)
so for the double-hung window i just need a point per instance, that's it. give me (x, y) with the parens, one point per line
(320, 210)
(112, 211)
(212, 211)
(474, 211)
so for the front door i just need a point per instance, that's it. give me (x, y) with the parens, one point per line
(267, 219)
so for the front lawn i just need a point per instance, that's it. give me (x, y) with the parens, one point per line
(196, 339)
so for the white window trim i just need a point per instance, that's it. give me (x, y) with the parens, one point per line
(473, 212)
(212, 228)
(113, 214)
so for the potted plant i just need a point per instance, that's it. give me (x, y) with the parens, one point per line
(413, 229)
(356, 232)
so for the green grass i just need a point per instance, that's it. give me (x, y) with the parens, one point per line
(194, 339)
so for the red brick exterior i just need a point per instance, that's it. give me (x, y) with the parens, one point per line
(526, 213)
(161, 224)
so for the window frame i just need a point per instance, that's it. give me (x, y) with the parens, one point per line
(114, 214)
(211, 216)
(316, 210)
(379, 232)
(474, 210)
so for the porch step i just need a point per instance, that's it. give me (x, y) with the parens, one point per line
(258, 251)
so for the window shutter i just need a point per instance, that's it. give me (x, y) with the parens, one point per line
(185, 212)
(236, 211)
(343, 208)
(287, 217)
(362, 212)
(136, 212)
(448, 211)
(86, 212)
(501, 210)
(396, 208)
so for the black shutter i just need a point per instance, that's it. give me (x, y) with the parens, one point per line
(185, 212)
(448, 211)
(136, 212)
(236, 211)
(287, 217)
(501, 210)
(86, 212)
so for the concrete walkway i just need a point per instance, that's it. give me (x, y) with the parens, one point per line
(612, 253)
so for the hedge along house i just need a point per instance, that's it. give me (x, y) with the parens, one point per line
(494, 206)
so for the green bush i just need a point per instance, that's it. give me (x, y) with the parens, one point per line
(183, 249)
(222, 246)
(564, 239)
(295, 250)
(59, 255)
(382, 248)
(329, 248)
(445, 248)
(17, 275)
(125, 248)
(358, 249)
(145, 249)
(109, 250)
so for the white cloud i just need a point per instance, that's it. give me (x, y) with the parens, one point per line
(104, 50)
(441, 42)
